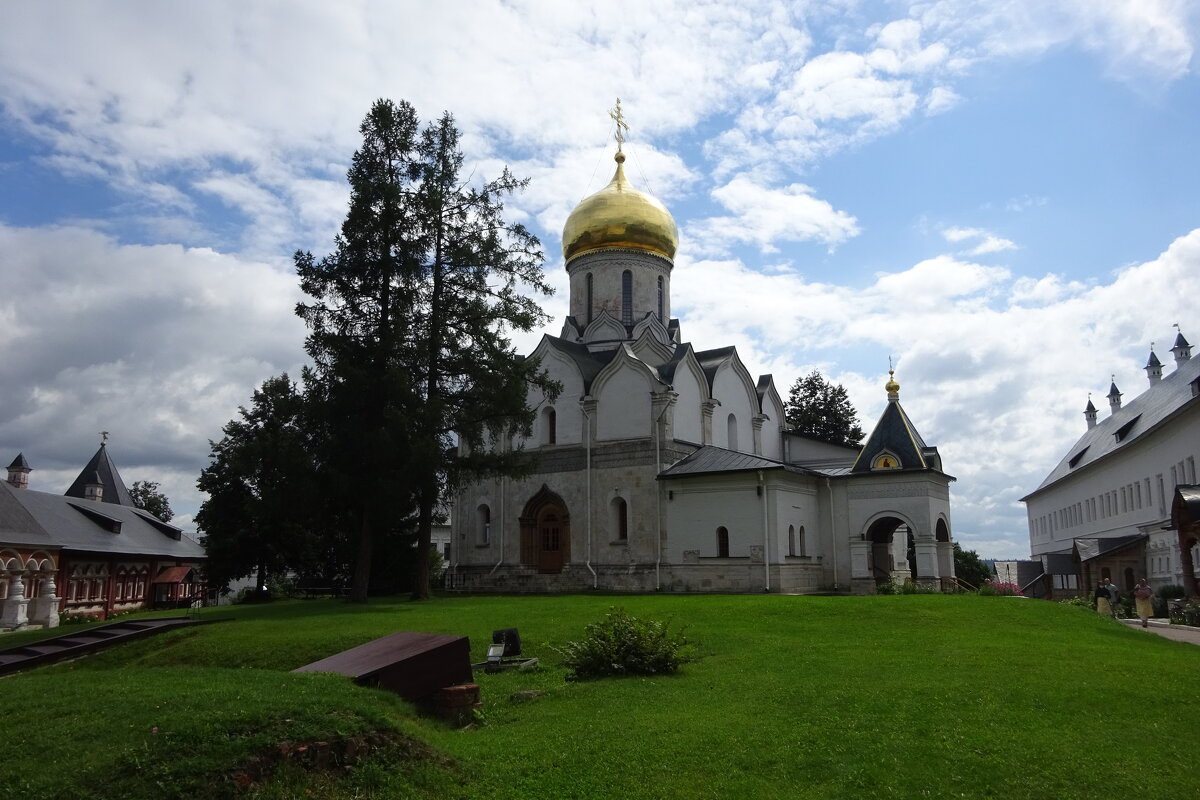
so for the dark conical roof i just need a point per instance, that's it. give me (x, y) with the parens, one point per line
(1153, 362)
(1090, 408)
(20, 463)
(1113, 391)
(1180, 341)
(101, 470)
(894, 434)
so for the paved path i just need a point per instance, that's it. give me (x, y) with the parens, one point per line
(1179, 633)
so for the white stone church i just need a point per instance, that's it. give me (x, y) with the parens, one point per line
(666, 467)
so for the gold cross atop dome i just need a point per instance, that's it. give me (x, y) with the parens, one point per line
(622, 125)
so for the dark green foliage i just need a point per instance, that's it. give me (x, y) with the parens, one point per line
(621, 644)
(822, 410)
(146, 496)
(408, 331)
(969, 567)
(261, 511)
(1169, 591)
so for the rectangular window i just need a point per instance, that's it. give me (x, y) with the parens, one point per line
(1191, 469)
(1162, 500)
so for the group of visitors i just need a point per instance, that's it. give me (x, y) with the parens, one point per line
(1107, 595)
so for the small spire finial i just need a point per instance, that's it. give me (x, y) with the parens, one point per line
(103, 438)
(622, 125)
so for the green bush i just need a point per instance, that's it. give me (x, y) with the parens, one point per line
(621, 644)
(1079, 602)
(1186, 614)
(1170, 591)
(887, 587)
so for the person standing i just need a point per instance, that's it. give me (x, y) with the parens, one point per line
(1141, 597)
(1114, 597)
(1103, 606)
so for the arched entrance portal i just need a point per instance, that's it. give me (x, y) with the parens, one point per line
(891, 555)
(545, 532)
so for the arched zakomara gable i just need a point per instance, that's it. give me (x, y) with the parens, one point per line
(545, 532)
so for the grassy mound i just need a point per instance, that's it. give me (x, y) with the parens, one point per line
(906, 696)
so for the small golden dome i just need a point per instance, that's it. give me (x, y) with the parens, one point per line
(891, 386)
(620, 216)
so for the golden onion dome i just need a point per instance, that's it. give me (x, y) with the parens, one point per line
(891, 386)
(620, 216)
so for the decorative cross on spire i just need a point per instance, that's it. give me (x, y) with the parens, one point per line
(622, 126)
(103, 437)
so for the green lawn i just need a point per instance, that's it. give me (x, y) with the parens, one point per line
(902, 696)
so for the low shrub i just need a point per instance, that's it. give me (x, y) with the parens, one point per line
(916, 587)
(887, 587)
(1000, 589)
(621, 644)
(1079, 602)
(1186, 613)
(1170, 591)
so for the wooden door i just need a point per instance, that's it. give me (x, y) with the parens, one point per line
(549, 535)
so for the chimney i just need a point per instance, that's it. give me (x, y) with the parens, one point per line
(1114, 396)
(1153, 367)
(18, 472)
(94, 489)
(1089, 414)
(1182, 350)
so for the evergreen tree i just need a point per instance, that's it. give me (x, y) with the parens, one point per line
(146, 496)
(969, 567)
(822, 410)
(408, 330)
(261, 486)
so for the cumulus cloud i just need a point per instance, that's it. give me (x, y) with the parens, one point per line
(158, 345)
(764, 216)
(985, 242)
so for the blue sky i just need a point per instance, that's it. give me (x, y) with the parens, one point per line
(999, 196)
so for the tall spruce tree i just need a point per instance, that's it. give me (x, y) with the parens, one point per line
(408, 329)
(822, 410)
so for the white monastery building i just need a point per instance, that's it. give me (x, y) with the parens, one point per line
(1107, 503)
(662, 466)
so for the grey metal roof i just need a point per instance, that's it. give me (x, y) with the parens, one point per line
(588, 363)
(59, 521)
(101, 466)
(711, 459)
(1185, 508)
(711, 360)
(1095, 548)
(1147, 412)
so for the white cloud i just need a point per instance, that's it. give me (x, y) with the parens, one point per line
(158, 345)
(987, 242)
(764, 216)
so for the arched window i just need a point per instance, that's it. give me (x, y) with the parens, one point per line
(550, 426)
(660, 298)
(732, 442)
(722, 542)
(589, 298)
(791, 540)
(627, 297)
(619, 519)
(483, 523)
(800, 543)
